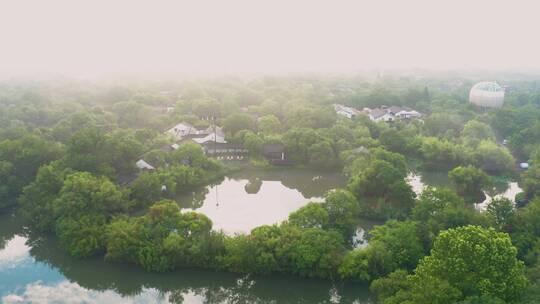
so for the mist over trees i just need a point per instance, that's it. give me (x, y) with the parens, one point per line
(67, 165)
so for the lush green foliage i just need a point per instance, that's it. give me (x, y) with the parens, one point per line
(20, 159)
(469, 182)
(465, 262)
(338, 212)
(310, 252)
(382, 190)
(164, 239)
(68, 155)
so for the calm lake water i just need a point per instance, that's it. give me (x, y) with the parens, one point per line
(34, 269)
(252, 198)
(502, 188)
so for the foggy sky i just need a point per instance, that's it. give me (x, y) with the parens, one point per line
(85, 38)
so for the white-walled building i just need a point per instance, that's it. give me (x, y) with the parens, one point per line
(391, 113)
(181, 130)
(212, 137)
(143, 165)
(346, 111)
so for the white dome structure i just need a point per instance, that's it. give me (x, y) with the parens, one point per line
(487, 94)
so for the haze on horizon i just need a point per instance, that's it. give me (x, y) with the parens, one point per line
(89, 38)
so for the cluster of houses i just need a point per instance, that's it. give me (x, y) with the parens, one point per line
(383, 113)
(211, 139)
(213, 142)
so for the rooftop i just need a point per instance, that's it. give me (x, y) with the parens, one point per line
(488, 86)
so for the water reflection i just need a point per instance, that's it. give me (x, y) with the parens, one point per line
(252, 198)
(15, 252)
(253, 186)
(361, 237)
(502, 188)
(67, 292)
(511, 189)
(41, 272)
(63, 279)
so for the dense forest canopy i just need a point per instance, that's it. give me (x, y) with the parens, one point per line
(69, 149)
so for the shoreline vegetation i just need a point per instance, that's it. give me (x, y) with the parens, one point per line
(68, 161)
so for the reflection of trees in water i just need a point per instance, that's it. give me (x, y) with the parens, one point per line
(475, 198)
(500, 185)
(213, 286)
(9, 227)
(278, 289)
(440, 179)
(253, 186)
(240, 292)
(193, 200)
(310, 183)
(126, 279)
(198, 198)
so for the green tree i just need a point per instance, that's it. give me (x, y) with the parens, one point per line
(439, 209)
(475, 131)
(20, 160)
(530, 181)
(297, 141)
(382, 190)
(321, 154)
(355, 265)
(438, 153)
(526, 231)
(178, 179)
(84, 236)
(269, 124)
(308, 116)
(394, 141)
(75, 122)
(164, 239)
(343, 209)
(501, 211)
(440, 124)
(37, 198)
(146, 189)
(308, 252)
(84, 152)
(312, 215)
(192, 154)
(401, 240)
(82, 193)
(130, 114)
(253, 143)
(493, 158)
(469, 182)
(476, 261)
(237, 122)
(392, 288)
(254, 253)
(315, 253)
(308, 146)
(7, 183)
(120, 151)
